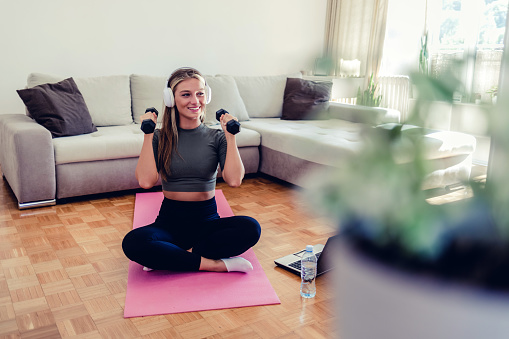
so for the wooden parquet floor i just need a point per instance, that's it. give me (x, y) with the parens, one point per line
(63, 273)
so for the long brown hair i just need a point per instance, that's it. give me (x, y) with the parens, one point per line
(168, 137)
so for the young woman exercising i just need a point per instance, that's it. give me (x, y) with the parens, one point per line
(188, 234)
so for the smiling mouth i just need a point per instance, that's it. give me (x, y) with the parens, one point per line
(194, 109)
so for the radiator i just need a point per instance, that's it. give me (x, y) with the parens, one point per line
(395, 92)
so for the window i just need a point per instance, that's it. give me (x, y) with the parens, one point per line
(405, 24)
(473, 31)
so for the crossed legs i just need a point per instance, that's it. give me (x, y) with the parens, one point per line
(213, 244)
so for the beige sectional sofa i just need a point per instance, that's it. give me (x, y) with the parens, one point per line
(41, 169)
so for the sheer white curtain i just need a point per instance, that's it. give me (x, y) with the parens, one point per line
(355, 29)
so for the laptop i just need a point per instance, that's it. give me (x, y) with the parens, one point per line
(291, 262)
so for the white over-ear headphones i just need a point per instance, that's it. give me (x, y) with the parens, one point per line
(169, 99)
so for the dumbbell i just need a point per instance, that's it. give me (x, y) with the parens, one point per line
(232, 126)
(148, 125)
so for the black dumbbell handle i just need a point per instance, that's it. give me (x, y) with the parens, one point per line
(148, 125)
(232, 126)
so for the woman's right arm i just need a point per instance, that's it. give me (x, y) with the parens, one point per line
(146, 169)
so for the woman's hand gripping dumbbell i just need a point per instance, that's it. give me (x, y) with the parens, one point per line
(232, 126)
(148, 124)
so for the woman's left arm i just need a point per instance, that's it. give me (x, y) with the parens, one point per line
(233, 171)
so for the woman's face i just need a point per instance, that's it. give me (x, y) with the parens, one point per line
(190, 99)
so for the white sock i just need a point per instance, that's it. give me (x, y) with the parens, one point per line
(146, 269)
(237, 264)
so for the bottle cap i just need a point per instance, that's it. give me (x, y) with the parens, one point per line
(309, 248)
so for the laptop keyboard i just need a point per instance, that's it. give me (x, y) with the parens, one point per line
(296, 264)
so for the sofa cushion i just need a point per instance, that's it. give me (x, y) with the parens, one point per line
(118, 142)
(225, 95)
(59, 107)
(321, 141)
(327, 141)
(147, 91)
(306, 99)
(246, 137)
(263, 95)
(438, 144)
(108, 98)
(111, 142)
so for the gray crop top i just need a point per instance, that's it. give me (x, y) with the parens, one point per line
(195, 170)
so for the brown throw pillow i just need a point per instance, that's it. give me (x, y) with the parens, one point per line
(59, 107)
(306, 99)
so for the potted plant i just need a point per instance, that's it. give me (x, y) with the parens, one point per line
(369, 97)
(424, 55)
(407, 268)
(493, 92)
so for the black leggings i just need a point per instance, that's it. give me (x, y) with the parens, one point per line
(182, 225)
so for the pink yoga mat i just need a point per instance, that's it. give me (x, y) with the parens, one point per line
(164, 292)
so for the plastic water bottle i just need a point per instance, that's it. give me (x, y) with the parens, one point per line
(308, 273)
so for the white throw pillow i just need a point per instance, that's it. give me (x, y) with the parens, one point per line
(108, 98)
(263, 95)
(225, 95)
(147, 91)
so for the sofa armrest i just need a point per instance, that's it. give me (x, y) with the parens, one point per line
(27, 159)
(363, 114)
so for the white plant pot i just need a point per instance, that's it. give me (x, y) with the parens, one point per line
(376, 301)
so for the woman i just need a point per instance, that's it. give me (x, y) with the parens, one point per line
(188, 234)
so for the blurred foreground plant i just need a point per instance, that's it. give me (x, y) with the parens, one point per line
(381, 189)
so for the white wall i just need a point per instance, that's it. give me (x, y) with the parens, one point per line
(93, 37)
